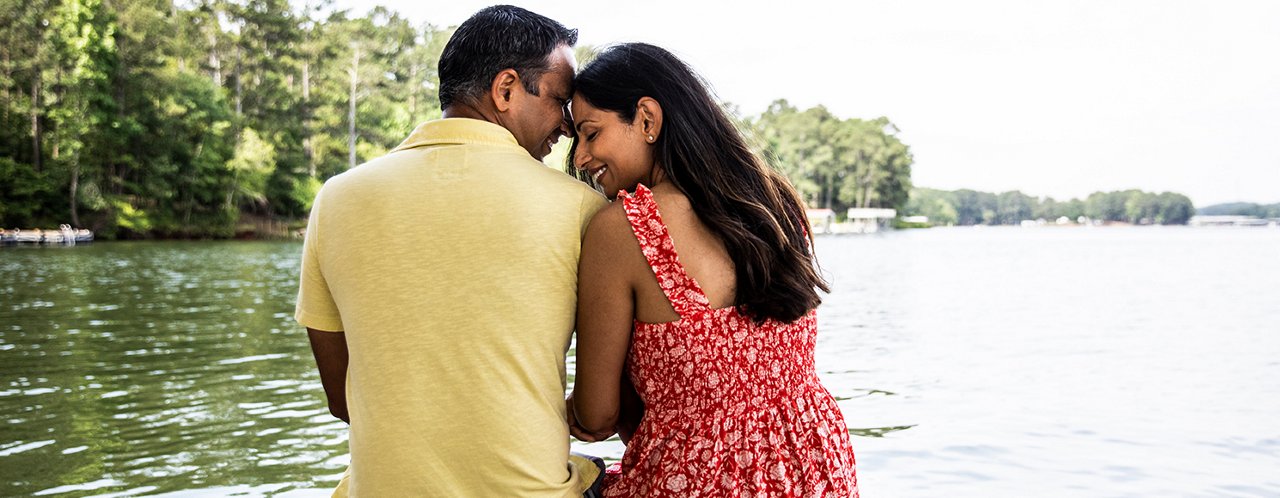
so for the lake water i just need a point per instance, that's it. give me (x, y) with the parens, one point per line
(968, 361)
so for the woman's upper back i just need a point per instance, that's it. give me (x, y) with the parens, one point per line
(698, 342)
(701, 253)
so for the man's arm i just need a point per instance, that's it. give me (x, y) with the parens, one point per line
(330, 350)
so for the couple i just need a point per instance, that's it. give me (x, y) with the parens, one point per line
(441, 284)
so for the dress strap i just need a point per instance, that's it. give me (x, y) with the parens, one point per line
(681, 289)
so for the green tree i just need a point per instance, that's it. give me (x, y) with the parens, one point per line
(82, 110)
(197, 142)
(1013, 207)
(1175, 209)
(935, 204)
(795, 146)
(975, 208)
(836, 163)
(1046, 209)
(1073, 209)
(1141, 208)
(1107, 206)
(881, 169)
(251, 167)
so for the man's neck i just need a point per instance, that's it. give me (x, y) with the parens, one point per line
(469, 112)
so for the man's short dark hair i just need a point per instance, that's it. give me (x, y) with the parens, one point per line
(497, 38)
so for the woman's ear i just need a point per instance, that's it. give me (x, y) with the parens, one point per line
(502, 87)
(649, 115)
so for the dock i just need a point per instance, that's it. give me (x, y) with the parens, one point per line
(63, 235)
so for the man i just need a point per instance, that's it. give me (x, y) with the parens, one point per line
(439, 282)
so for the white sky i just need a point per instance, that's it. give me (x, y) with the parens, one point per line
(1058, 98)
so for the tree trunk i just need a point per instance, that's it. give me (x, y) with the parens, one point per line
(75, 186)
(351, 113)
(307, 148)
(60, 92)
(215, 63)
(239, 87)
(867, 186)
(173, 14)
(8, 76)
(413, 94)
(117, 169)
(831, 182)
(36, 132)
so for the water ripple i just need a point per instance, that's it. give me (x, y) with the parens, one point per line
(966, 364)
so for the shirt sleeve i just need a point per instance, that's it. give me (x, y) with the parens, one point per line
(316, 308)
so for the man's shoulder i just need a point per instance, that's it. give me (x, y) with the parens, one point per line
(366, 171)
(505, 164)
(560, 179)
(548, 179)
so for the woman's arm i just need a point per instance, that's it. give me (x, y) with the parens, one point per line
(630, 410)
(605, 312)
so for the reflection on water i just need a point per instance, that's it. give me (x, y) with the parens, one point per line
(993, 362)
(146, 368)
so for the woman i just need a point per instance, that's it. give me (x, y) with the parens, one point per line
(718, 340)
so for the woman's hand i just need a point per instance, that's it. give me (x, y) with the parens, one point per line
(630, 410)
(578, 431)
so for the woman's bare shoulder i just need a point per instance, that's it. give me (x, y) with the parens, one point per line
(609, 221)
(610, 232)
(610, 246)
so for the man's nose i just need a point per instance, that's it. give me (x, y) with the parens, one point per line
(566, 128)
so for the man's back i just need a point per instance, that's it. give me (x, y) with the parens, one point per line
(451, 265)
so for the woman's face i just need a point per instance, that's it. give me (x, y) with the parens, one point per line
(614, 153)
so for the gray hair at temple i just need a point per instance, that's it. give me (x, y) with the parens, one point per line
(497, 38)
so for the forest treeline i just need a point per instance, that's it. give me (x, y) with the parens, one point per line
(1242, 209)
(969, 207)
(147, 118)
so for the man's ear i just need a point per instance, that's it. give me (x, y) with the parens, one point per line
(649, 117)
(504, 84)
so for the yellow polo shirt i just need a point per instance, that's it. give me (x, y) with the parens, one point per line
(451, 264)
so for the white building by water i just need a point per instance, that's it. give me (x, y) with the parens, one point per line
(821, 220)
(869, 220)
(1229, 221)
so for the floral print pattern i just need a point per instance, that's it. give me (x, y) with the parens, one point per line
(732, 408)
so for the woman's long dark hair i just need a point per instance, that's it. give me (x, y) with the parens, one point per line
(752, 208)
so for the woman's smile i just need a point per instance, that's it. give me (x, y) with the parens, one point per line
(596, 173)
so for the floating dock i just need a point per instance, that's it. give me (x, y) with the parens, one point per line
(63, 235)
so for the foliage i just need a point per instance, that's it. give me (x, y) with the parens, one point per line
(968, 207)
(1241, 209)
(935, 204)
(145, 118)
(251, 167)
(836, 163)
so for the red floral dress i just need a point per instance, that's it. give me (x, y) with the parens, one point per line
(731, 408)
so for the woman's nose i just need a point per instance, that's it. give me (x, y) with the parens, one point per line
(581, 158)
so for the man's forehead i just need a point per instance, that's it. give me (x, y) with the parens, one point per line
(564, 55)
(562, 71)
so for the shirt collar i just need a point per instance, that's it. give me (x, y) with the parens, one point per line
(457, 131)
